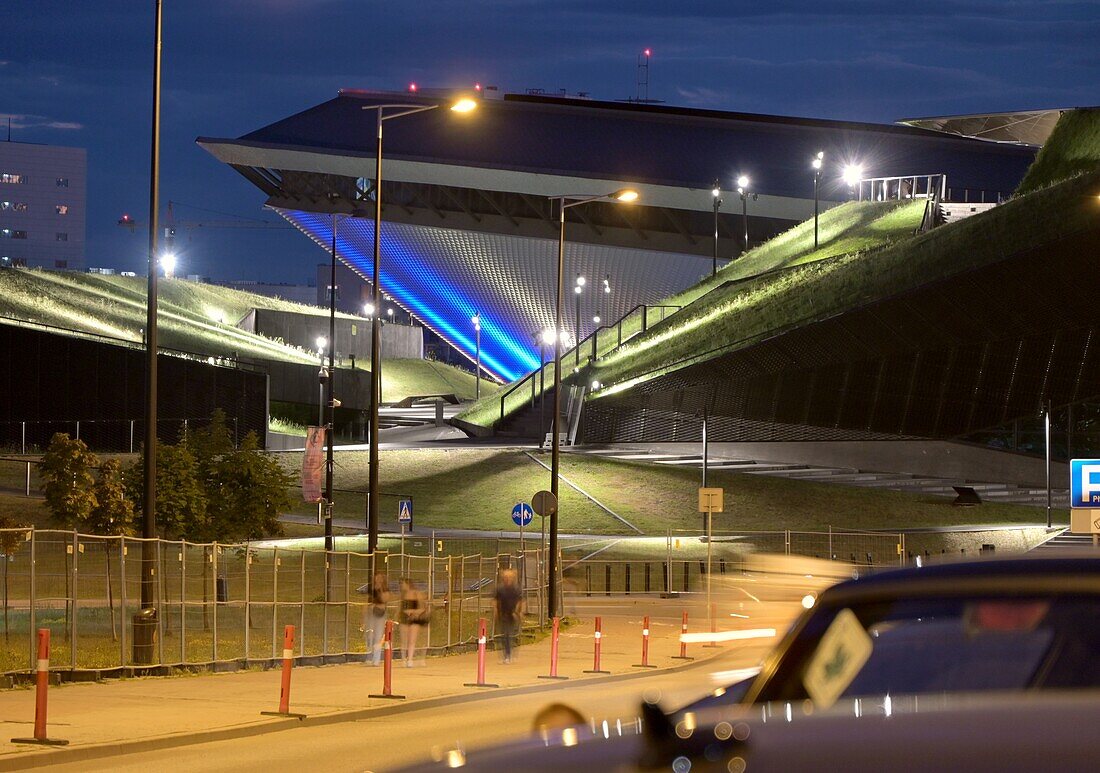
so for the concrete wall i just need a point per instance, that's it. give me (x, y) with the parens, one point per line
(352, 335)
(292, 382)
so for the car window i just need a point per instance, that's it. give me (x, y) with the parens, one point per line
(921, 646)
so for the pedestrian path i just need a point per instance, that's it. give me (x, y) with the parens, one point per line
(845, 476)
(142, 714)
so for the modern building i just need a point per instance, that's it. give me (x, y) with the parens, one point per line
(469, 225)
(43, 195)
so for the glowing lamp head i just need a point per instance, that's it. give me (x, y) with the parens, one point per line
(368, 309)
(596, 319)
(853, 173)
(715, 191)
(595, 385)
(547, 336)
(578, 289)
(625, 195)
(808, 601)
(581, 280)
(648, 52)
(413, 87)
(476, 319)
(321, 342)
(817, 164)
(389, 312)
(464, 105)
(743, 181)
(168, 263)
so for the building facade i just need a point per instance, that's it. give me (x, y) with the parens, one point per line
(43, 197)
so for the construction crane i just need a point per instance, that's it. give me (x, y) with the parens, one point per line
(170, 224)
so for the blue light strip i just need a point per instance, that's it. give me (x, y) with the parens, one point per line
(422, 289)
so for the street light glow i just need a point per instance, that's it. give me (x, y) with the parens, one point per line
(321, 342)
(743, 181)
(464, 105)
(168, 263)
(596, 319)
(368, 309)
(581, 280)
(625, 195)
(853, 174)
(716, 191)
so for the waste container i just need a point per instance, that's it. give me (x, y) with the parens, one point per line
(222, 589)
(145, 636)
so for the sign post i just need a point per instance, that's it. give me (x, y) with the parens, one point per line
(404, 518)
(710, 502)
(1084, 498)
(545, 503)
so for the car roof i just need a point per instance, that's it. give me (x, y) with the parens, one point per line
(1071, 572)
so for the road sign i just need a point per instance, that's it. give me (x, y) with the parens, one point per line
(544, 503)
(405, 511)
(522, 514)
(710, 500)
(1084, 483)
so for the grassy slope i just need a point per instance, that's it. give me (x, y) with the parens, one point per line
(741, 315)
(401, 378)
(851, 228)
(477, 488)
(1073, 148)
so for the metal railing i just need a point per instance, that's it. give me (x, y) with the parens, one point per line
(913, 186)
(226, 603)
(120, 435)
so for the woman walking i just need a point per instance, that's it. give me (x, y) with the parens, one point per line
(374, 623)
(414, 615)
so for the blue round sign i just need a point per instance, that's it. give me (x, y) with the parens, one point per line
(522, 514)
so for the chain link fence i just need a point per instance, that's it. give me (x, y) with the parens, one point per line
(227, 604)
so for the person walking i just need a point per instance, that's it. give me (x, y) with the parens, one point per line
(374, 616)
(508, 609)
(414, 616)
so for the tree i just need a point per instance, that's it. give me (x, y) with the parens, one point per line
(246, 490)
(181, 500)
(113, 514)
(69, 486)
(10, 542)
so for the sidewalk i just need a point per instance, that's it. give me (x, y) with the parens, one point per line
(104, 719)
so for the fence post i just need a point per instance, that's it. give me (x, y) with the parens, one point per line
(28, 491)
(131, 435)
(122, 601)
(23, 450)
(607, 579)
(447, 598)
(274, 599)
(347, 599)
(325, 599)
(247, 601)
(73, 629)
(183, 601)
(32, 617)
(214, 571)
(302, 605)
(78, 430)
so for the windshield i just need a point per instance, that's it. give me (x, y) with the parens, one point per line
(941, 645)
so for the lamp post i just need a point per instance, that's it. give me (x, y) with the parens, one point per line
(476, 319)
(329, 421)
(578, 288)
(716, 194)
(384, 113)
(819, 159)
(625, 195)
(743, 192)
(143, 649)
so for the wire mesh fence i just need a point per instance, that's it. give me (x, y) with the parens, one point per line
(227, 603)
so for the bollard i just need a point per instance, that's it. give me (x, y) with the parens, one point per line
(387, 665)
(713, 627)
(596, 651)
(42, 670)
(481, 638)
(284, 691)
(683, 644)
(554, 652)
(645, 646)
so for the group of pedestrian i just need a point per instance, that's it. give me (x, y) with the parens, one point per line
(414, 614)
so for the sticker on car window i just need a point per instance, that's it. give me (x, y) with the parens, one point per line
(839, 656)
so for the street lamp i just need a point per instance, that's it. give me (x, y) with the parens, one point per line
(743, 191)
(383, 113)
(168, 263)
(476, 319)
(716, 194)
(368, 309)
(624, 195)
(853, 175)
(819, 159)
(578, 288)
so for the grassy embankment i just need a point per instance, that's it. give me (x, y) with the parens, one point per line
(851, 229)
(193, 317)
(1073, 148)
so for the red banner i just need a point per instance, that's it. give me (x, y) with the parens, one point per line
(313, 462)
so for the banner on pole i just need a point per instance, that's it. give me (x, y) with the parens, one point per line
(313, 462)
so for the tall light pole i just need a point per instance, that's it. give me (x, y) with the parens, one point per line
(149, 466)
(716, 194)
(384, 113)
(819, 159)
(743, 192)
(329, 422)
(476, 319)
(607, 296)
(625, 195)
(578, 288)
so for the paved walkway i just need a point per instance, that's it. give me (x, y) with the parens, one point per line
(117, 717)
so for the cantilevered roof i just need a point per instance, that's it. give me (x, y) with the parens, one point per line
(1027, 127)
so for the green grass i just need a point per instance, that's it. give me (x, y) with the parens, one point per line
(851, 229)
(739, 316)
(476, 489)
(403, 378)
(1073, 148)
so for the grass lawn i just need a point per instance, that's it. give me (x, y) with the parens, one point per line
(1073, 148)
(476, 489)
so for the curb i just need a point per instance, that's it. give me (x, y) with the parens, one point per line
(70, 754)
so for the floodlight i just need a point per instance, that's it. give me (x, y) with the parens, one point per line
(368, 309)
(743, 181)
(853, 174)
(168, 263)
(321, 342)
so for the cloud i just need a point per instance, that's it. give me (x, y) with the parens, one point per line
(27, 121)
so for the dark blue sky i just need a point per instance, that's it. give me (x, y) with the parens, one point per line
(78, 73)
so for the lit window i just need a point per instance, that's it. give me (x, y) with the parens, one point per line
(8, 233)
(62, 209)
(8, 177)
(13, 206)
(62, 237)
(62, 182)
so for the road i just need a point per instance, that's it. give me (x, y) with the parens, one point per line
(385, 742)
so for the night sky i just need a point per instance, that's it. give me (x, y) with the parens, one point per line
(79, 73)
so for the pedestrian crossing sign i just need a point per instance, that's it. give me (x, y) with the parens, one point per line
(405, 511)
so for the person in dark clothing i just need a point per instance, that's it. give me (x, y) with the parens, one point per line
(508, 608)
(374, 616)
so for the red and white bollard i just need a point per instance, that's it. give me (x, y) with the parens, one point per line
(554, 652)
(645, 646)
(683, 644)
(597, 636)
(284, 690)
(481, 640)
(387, 665)
(42, 669)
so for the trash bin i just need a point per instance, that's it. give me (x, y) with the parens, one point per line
(145, 636)
(222, 589)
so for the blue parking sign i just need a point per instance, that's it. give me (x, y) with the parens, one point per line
(1084, 483)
